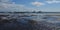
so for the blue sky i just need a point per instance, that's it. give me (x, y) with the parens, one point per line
(30, 5)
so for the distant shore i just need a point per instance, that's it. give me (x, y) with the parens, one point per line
(29, 12)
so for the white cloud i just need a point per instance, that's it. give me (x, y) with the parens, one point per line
(11, 6)
(6, 1)
(52, 1)
(37, 4)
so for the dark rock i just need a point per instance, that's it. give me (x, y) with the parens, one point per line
(22, 24)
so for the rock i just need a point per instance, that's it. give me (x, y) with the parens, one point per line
(17, 23)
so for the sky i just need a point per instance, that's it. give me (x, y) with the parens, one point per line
(30, 5)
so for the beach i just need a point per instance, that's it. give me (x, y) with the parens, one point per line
(29, 21)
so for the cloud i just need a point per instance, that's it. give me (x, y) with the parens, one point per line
(37, 4)
(11, 6)
(52, 1)
(6, 1)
